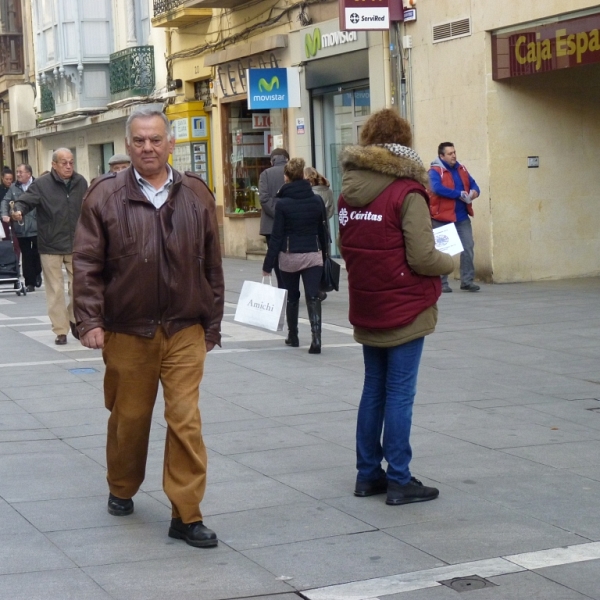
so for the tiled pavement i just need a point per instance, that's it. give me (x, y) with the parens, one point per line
(507, 425)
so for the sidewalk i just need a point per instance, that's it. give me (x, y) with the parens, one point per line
(507, 425)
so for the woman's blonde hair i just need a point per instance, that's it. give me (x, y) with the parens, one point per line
(314, 177)
(294, 169)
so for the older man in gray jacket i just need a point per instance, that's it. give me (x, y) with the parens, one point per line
(57, 198)
(270, 181)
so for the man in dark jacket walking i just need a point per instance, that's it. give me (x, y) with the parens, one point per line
(26, 229)
(269, 182)
(57, 198)
(149, 291)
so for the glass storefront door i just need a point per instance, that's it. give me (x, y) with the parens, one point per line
(342, 115)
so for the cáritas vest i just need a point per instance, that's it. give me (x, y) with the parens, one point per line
(384, 292)
(442, 208)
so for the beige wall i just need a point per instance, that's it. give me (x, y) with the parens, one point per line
(530, 224)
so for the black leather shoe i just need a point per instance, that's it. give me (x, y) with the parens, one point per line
(362, 489)
(194, 534)
(38, 281)
(30, 288)
(470, 287)
(60, 340)
(119, 507)
(413, 491)
(446, 289)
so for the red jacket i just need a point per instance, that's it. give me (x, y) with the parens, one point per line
(442, 208)
(384, 292)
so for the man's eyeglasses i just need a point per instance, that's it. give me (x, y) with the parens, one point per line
(64, 163)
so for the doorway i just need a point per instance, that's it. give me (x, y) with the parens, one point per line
(338, 119)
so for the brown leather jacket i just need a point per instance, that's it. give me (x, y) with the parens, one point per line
(137, 268)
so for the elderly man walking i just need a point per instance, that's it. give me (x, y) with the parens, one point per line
(57, 198)
(149, 291)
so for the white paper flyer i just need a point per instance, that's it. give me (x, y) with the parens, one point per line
(447, 240)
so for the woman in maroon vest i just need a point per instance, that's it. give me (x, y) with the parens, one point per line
(394, 283)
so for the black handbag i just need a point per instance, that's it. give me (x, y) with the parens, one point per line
(330, 280)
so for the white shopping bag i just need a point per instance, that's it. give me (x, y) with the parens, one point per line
(261, 305)
(447, 240)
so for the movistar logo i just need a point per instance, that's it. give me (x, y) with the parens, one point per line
(263, 86)
(312, 43)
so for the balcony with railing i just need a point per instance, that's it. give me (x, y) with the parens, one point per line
(132, 72)
(179, 13)
(11, 54)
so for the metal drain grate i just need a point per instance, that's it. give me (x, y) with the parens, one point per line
(468, 583)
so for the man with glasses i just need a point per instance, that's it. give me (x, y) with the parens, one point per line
(57, 198)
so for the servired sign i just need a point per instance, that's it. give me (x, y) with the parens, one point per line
(364, 15)
(537, 49)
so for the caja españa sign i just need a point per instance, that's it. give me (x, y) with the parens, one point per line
(273, 88)
(549, 47)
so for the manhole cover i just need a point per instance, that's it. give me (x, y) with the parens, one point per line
(83, 371)
(465, 584)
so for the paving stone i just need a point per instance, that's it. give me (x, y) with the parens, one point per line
(334, 560)
(581, 577)
(68, 584)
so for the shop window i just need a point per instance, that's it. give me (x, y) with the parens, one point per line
(362, 103)
(249, 136)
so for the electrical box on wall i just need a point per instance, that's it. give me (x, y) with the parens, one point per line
(533, 162)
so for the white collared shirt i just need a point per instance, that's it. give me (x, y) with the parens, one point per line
(24, 186)
(157, 197)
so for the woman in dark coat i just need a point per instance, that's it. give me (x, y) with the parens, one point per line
(299, 239)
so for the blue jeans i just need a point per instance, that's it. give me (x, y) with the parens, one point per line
(467, 256)
(387, 399)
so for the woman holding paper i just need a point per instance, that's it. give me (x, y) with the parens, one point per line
(298, 240)
(394, 283)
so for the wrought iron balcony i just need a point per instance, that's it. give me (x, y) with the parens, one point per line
(11, 54)
(46, 102)
(132, 72)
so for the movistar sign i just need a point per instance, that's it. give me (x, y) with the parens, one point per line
(273, 88)
(315, 41)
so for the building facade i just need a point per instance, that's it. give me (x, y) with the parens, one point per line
(95, 60)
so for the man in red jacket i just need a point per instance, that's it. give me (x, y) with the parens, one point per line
(451, 192)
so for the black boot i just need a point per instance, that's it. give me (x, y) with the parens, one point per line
(291, 315)
(314, 316)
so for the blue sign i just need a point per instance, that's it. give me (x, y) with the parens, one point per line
(273, 88)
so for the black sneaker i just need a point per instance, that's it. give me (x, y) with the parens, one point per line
(362, 489)
(413, 491)
(446, 289)
(470, 287)
(194, 534)
(118, 507)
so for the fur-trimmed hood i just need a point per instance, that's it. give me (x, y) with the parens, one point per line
(368, 170)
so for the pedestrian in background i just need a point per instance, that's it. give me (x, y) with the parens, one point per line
(149, 292)
(118, 162)
(452, 190)
(298, 242)
(26, 229)
(269, 182)
(57, 197)
(6, 180)
(320, 186)
(394, 283)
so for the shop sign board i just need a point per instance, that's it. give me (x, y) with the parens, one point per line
(273, 88)
(325, 39)
(562, 44)
(364, 15)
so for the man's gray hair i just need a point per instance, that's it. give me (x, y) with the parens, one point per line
(55, 153)
(146, 112)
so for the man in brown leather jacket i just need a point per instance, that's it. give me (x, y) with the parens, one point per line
(149, 291)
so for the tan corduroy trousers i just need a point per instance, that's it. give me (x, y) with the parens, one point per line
(54, 283)
(134, 367)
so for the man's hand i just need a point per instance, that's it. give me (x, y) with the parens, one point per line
(6, 219)
(466, 198)
(209, 345)
(16, 215)
(265, 274)
(94, 338)
(474, 194)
